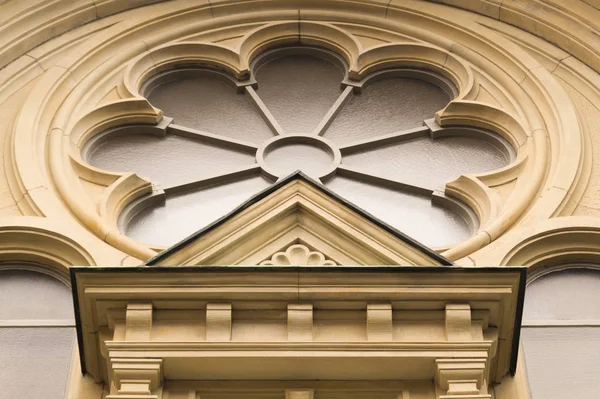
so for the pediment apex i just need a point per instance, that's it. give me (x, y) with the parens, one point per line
(298, 211)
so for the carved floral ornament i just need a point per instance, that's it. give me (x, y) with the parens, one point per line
(298, 255)
(101, 89)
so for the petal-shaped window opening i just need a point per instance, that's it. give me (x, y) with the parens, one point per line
(412, 214)
(169, 161)
(183, 214)
(299, 89)
(372, 147)
(208, 103)
(387, 106)
(431, 163)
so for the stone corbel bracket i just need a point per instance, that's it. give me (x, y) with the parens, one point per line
(136, 378)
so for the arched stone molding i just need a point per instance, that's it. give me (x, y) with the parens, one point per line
(51, 19)
(61, 274)
(547, 19)
(67, 107)
(275, 35)
(550, 245)
(31, 240)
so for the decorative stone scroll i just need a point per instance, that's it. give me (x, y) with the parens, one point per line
(298, 255)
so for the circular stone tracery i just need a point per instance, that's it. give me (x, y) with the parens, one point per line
(219, 111)
(313, 155)
(501, 88)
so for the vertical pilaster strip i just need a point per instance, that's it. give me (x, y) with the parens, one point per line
(458, 322)
(138, 322)
(300, 322)
(218, 322)
(379, 322)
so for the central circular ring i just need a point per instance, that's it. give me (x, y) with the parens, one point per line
(313, 155)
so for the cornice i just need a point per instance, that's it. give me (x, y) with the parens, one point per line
(494, 293)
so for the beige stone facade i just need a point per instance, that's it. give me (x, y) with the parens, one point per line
(525, 70)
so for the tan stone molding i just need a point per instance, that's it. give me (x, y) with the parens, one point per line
(136, 378)
(547, 19)
(38, 240)
(549, 244)
(340, 295)
(71, 99)
(462, 378)
(483, 55)
(298, 394)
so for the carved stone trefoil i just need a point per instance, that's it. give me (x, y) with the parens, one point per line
(298, 255)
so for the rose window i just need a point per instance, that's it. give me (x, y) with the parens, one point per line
(373, 142)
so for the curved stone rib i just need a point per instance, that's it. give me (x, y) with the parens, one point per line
(333, 111)
(264, 111)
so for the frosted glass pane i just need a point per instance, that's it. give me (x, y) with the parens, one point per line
(168, 160)
(309, 159)
(184, 214)
(35, 362)
(562, 362)
(411, 214)
(569, 294)
(29, 295)
(209, 104)
(387, 106)
(430, 163)
(299, 90)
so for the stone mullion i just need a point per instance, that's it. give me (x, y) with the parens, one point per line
(228, 177)
(386, 139)
(344, 170)
(264, 111)
(201, 136)
(335, 109)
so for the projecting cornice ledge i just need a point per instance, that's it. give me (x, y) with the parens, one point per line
(298, 323)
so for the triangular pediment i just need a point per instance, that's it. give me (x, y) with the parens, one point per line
(298, 221)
